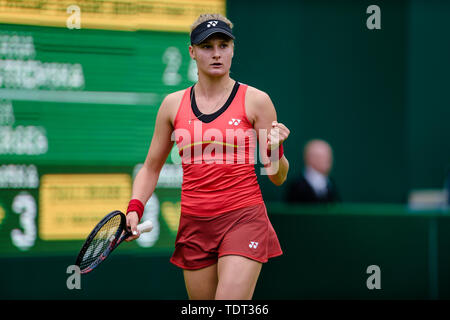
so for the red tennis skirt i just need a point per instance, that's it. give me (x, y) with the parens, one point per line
(245, 232)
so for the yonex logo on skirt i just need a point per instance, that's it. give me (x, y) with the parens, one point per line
(253, 244)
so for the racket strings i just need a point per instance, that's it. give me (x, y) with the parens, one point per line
(102, 240)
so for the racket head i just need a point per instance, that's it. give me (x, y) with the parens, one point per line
(102, 240)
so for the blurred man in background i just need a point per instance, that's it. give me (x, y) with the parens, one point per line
(314, 185)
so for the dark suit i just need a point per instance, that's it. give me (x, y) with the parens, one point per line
(300, 191)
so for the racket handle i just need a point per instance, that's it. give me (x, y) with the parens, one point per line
(145, 226)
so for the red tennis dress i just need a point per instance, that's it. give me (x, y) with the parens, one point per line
(222, 209)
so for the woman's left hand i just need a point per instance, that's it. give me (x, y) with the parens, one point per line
(277, 135)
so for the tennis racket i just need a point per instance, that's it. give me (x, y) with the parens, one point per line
(104, 238)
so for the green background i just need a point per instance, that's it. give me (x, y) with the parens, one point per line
(378, 96)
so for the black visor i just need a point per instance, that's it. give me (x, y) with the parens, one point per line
(207, 28)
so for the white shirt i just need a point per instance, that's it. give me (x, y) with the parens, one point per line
(317, 180)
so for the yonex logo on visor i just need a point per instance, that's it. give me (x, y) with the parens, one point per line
(208, 28)
(212, 23)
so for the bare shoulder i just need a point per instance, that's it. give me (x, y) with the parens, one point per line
(171, 103)
(257, 102)
(256, 95)
(175, 96)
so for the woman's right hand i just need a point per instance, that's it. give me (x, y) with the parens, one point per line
(132, 222)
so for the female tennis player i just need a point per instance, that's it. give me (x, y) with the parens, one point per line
(224, 234)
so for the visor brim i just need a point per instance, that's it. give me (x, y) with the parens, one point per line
(207, 33)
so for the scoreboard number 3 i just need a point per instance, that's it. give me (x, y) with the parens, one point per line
(24, 205)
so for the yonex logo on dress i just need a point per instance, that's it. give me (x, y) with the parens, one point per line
(234, 121)
(253, 244)
(212, 23)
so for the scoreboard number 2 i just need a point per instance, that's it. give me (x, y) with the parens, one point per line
(173, 60)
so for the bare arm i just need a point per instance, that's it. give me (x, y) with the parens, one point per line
(146, 179)
(262, 113)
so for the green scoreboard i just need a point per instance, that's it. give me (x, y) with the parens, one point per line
(77, 111)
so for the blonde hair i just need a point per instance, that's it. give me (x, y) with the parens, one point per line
(210, 16)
